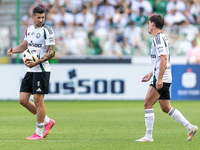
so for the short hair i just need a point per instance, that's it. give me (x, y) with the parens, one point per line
(84, 7)
(39, 10)
(158, 20)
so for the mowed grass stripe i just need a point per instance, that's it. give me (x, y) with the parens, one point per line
(97, 125)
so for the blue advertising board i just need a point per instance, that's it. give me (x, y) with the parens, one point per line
(185, 82)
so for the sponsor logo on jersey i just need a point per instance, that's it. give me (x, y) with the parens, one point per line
(38, 35)
(51, 39)
(160, 48)
(28, 33)
(32, 33)
(34, 44)
(153, 56)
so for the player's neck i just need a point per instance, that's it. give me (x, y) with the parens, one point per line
(37, 26)
(156, 32)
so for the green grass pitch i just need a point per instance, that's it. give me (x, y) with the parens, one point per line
(97, 125)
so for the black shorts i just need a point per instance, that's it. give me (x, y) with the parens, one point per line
(164, 91)
(35, 83)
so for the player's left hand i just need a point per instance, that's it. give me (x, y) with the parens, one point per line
(159, 84)
(30, 64)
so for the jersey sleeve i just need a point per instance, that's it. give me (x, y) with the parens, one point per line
(25, 35)
(160, 46)
(49, 36)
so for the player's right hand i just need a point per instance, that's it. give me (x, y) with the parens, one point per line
(9, 52)
(147, 77)
(30, 64)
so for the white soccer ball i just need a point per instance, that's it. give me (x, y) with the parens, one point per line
(31, 55)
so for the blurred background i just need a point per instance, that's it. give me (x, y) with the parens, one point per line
(103, 46)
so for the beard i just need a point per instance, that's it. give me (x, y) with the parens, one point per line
(39, 24)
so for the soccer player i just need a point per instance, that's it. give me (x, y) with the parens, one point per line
(38, 37)
(161, 81)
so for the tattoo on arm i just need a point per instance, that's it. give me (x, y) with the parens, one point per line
(50, 53)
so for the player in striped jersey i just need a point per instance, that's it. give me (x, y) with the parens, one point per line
(161, 81)
(38, 37)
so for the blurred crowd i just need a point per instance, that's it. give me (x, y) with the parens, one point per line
(118, 27)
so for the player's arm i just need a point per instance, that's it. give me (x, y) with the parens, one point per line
(50, 53)
(20, 48)
(163, 64)
(50, 45)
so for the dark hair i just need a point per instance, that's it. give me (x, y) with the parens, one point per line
(84, 7)
(158, 20)
(39, 10)
(141, 9)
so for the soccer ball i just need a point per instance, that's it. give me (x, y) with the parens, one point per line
(31, 55)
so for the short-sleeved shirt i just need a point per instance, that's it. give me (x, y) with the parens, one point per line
(180, 6)
(86, 20)
(160, 46)
(68, 18)
(37, 39)
(135, 6)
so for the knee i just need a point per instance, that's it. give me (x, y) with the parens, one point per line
(36, 103)
(38, 100)
(165, 109)
(147, 105)
(22, 101)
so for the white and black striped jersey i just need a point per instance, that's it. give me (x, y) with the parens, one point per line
(160, 46)
(37, 39)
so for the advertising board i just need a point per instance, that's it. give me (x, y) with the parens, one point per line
(82, 81)
(185, 82)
